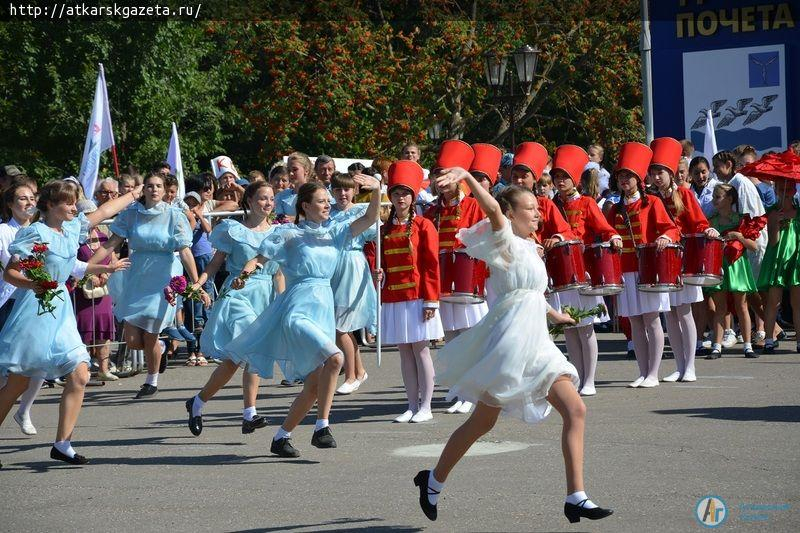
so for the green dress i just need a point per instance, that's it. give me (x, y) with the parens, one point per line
(781, 266)
(736, 277)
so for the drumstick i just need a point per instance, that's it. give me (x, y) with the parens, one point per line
(378, 266)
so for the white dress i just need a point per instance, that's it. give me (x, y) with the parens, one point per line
(507, 360)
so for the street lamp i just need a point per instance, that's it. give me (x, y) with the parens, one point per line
(503, 89)
(435, 132)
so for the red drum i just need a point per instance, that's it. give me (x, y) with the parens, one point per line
(702, 260)
(660, 271)
(457, 275)
(604, 269)
(565, 266)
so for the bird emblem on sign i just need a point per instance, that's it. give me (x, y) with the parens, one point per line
(759, 110)
(732, 113)
(716, 105)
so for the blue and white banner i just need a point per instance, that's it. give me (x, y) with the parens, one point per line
(735, 58)
(99, 138)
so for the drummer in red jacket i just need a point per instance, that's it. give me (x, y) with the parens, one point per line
(685, 211)
(641, 219)
(453, 211)
(410, 288)
(588, 224)
(530, 158)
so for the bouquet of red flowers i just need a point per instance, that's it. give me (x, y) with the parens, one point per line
(178, 285)
(33, 269)
(750, 228)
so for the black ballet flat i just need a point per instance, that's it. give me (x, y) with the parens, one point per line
(146, 390)
(323, 438)
(249, 426)
(195, 422)
(574, 512)
(58, 456)
(283, 448)
(421, 481)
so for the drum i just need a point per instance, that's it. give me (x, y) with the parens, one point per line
(659, 271)
(604, 269)
(702, 260)
(457, 278)
(565, 266)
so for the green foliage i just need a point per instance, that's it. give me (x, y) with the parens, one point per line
(355, 80)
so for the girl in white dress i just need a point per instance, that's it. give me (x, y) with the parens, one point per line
(504, 364)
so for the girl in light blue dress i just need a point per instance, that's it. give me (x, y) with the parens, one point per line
(154, 230)
(236, 243)
(299, 327)
(48, 345)
(355, 301)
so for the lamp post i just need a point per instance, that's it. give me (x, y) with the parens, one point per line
(435, 132)
(506, 91)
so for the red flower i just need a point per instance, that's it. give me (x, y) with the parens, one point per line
(39, 248)
(49, 285)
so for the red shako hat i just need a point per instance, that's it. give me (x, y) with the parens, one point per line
(571, 159)
(531, 155)
(666, 153)
(635, 157)
(487, 160)
(454, 153)
(405, 173)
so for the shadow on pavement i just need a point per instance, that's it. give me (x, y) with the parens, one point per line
(350, 523)
(772, 413)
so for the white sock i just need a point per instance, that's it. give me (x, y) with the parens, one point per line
(282, 434)
(197, 406)
(64, 447)
(152, 379)
(748, 346)
(577, 497)
(434, 488)
(321, 423)
(716, 346)
(249, 413)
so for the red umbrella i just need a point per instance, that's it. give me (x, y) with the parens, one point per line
(785, 165)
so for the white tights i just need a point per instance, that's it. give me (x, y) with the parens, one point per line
(28, 397)
(682, 334)
(416, 366)
(648, 343)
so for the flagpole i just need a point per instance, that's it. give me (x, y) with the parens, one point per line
(378, 267)
(116, 163)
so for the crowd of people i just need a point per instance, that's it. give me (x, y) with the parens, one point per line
(458, 254)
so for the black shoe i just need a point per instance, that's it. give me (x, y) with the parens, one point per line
(286, 383)
(298, 382)
(750, 354)
(146, 390)
(421, 481)
(249, 426)
(574, 513)
(195, 422)
(323, 438)
(283, 448)
(631, 354)
(714, 354)
(781, 336)
(770, 348)
(701, 352)
(58, 456)
(162, 366)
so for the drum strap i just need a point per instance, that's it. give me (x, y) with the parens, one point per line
(623, 210)
(671, 216)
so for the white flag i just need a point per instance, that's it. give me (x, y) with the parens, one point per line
(175, 161)
(99, 138)
(710, 139)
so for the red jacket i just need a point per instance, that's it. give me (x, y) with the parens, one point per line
(587, 221)
(449, 219)
(553, 222)
(692, 219)
(410, 272)
(647, 223)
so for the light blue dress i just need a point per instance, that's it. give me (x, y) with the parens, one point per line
(233, 313)
(355, 302)
(299, 326)
(47, 345)
(153, 236)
